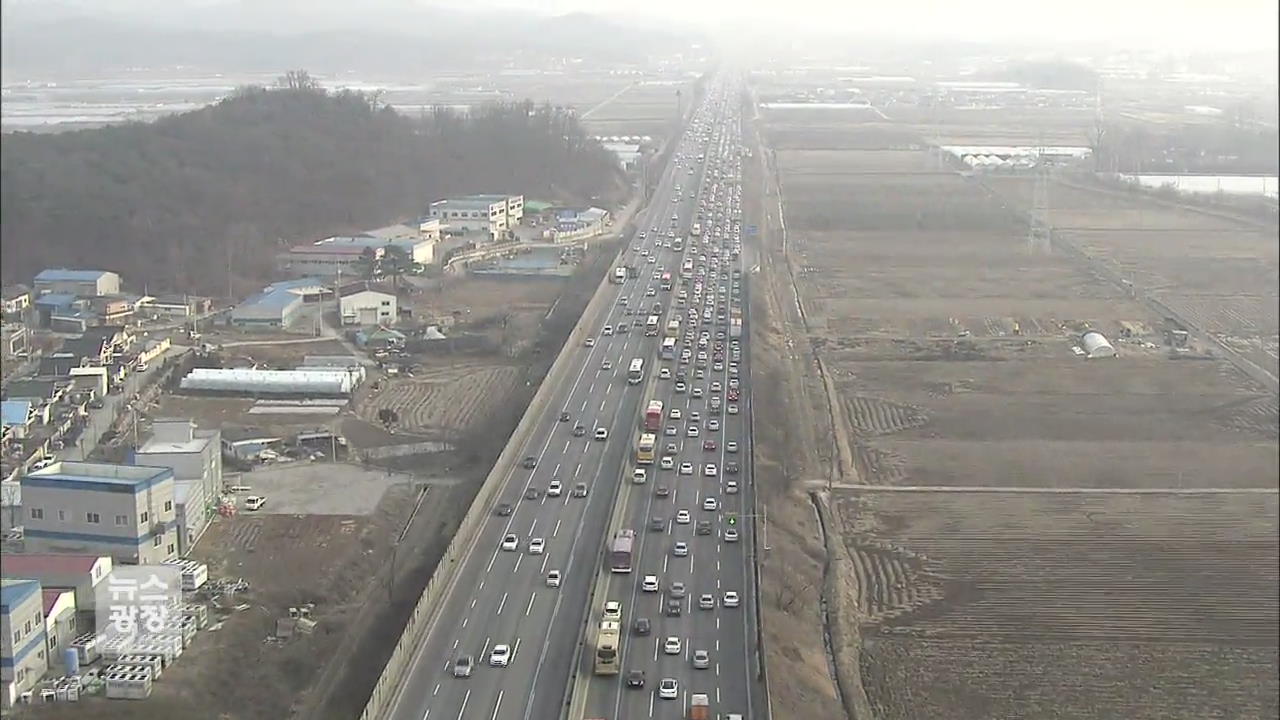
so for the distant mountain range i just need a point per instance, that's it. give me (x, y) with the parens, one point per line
(70, 37)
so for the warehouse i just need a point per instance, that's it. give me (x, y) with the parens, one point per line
(279, 305)
(84, 283)
(1096, 345)
(368, 307)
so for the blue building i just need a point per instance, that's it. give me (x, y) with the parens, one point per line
(128, 512)
(24, 656)
(278, 305)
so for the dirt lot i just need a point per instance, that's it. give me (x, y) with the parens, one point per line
(936, 346)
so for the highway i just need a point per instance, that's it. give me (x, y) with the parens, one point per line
(502, 597)
(713, 564)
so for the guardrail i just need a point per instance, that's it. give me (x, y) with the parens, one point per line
(446, 572)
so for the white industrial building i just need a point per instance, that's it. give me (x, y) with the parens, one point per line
(195, 456)
(492, 217)
(368, 307)
(1096, 345)
(336, 382)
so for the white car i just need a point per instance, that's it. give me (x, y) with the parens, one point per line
(606, 365)
(553, 579)
(650, 292)
(692, 431)
(668, 689)
(667, 462)
(707, 601)
(681, 387)
(674, 414)
(254, 502)
(671, 646)
(510, 542)
(613, 610)
(639, 476)
(680, 549)
(608, 329)
(672, 430)
(537, 546)
(732, 409)
(731, 487)
(697, 392)
(731, 535)
(682, 517)
(686, 468)
(649, 584)
(709, 504)
(715, 386)
(602, 433)
(731, 446)
(664, 374)
(713, 424)
(590, 342)
(731, 599)
(500, 656)
(701, 659)
(555, 488)
(709, 470)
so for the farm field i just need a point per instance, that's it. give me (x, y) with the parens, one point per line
(946, 346)
(443, 403)
(1031, 605)
(644, 108)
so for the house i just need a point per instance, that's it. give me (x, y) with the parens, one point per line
(112, 309)
(24, 654)
(93, 379)
(16, 301)
(174, 306)
(125, 511)
(195, 456)
(38, 391)
(18, 417)
(368, 307)
(491, 216)
(153, 349)
(379, 337)
(60, 622)
(51, 304)
(78, 573)
(87, 283)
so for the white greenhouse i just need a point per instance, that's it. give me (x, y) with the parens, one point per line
(312, 382)
(1096, 345)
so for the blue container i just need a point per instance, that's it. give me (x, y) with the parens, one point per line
(72, 660)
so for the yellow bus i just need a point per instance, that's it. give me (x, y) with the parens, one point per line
(645, 449)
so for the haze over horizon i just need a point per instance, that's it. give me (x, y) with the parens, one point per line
(1229, 25)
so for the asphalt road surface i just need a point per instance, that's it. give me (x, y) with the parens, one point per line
(501, 597)
(713, 564)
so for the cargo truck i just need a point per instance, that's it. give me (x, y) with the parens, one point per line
(735, 327)
(699, 707)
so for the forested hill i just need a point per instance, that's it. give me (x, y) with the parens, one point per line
(165, 203)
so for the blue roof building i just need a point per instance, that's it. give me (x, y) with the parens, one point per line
(125, 511)
(278, 305)
(23, 655)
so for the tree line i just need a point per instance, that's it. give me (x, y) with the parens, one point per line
(192, 201)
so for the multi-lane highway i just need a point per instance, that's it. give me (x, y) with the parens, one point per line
(502, 596)
(692, 513)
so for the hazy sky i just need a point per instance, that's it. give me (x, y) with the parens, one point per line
(1224, 24)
